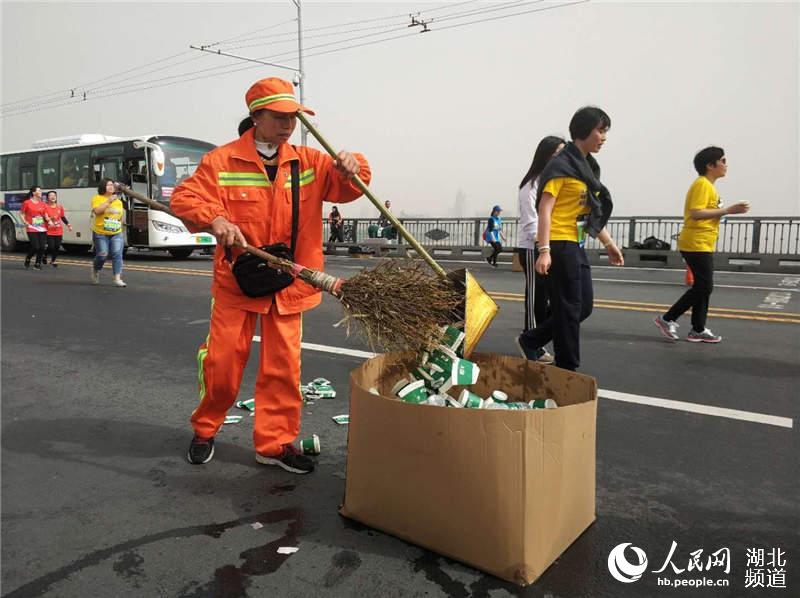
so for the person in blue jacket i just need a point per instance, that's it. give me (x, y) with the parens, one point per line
(494, 234)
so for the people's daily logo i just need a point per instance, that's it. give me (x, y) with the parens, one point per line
(621, 568)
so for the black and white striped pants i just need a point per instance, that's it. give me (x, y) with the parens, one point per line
(536, 302)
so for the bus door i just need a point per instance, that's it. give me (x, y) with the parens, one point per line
(135, 175)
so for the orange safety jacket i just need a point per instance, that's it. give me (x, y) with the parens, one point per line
(231, 182)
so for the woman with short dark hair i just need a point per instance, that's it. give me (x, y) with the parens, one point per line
(32, 212)
(571, 202)
(108, 212)
(702, 211)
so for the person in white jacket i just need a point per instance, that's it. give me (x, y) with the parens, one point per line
(536, 305)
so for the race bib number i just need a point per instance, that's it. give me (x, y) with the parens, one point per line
(112, 225)
(581, 231)
(37, 220)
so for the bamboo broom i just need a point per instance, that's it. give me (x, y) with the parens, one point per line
(396, 306)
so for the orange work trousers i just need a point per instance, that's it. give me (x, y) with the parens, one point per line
(221, 361)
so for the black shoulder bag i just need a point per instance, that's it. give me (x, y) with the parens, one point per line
(255, 276)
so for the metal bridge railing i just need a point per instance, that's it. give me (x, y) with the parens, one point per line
(741, 235)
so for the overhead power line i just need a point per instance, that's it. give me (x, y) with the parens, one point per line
(226, 68)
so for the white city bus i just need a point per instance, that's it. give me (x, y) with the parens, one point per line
(73, 166)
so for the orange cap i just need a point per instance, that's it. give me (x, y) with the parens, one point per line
(273, 94)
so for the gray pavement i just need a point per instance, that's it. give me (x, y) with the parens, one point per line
(98, 500)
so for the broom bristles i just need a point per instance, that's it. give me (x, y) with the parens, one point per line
(400, 305)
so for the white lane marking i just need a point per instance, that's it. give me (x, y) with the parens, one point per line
(777, 300)
(328, 349)
(759, 418)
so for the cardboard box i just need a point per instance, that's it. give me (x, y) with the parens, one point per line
(503, 491)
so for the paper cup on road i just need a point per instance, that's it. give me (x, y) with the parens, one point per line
(470, 400)
(543, 404)
(310, 446)
(413, 392)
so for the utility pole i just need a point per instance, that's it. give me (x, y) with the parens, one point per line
(301, 75)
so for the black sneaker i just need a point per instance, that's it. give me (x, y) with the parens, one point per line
(27, 264)
(290, 459)
(528, 351)
(37, 266)
(201, 451)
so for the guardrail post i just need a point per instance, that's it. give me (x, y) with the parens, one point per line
(354, 224)
(756, 241)
(476, 237)
(399, 236)
(631, 232)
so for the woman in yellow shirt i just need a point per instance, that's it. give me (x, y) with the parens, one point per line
(697, 240)
(107, 213)
(572, 202)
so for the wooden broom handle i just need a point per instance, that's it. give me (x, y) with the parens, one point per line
(376, 202)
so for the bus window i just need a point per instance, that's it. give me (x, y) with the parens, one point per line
(48, 170)
(75, 168)
(2, 173)
(107, 162)
(28, 176)
(12, 174)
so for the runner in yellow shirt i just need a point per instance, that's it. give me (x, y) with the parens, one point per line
(572, 203)
(698, 238)
(107, 231)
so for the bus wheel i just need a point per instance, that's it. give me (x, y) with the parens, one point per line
(72, 249)
(180, 253)
(8, 235)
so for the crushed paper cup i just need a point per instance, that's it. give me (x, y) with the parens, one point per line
(248, 405)
(342, 419)
(287, 549)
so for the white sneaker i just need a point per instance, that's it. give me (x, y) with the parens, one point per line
(95, 276)
(703, 337)
(118, 282)
(668, 328)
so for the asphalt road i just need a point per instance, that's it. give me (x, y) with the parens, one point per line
(98, 500)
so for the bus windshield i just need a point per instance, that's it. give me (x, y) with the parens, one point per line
(181, 159)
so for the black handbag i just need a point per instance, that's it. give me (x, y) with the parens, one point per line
(255, 277)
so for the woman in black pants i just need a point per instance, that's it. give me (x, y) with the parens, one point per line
(536, 304)
(54, 214)
(571, 203)
(33, 213)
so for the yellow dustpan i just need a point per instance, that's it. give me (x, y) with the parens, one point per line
(479, 308)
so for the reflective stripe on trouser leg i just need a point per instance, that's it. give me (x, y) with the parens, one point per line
(221, 361)
(278, 400)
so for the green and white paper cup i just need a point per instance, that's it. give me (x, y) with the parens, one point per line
(443, 357)
(310, 446)
(470, 400)
(413, 392)
(452, 337)
(500, 396)
(543, 404)
(399, 384)
(464, 372)
(518, 406)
